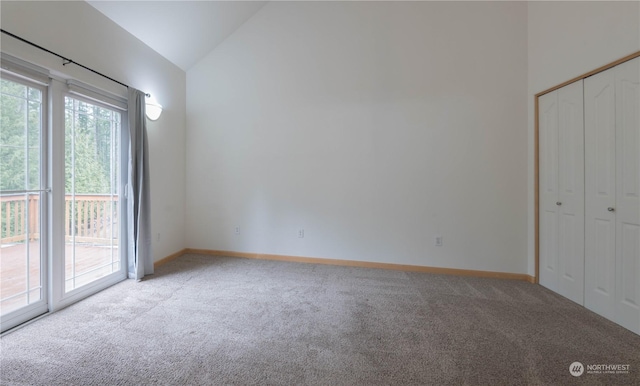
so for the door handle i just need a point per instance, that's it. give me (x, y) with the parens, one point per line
(558, 203)
(610, 209)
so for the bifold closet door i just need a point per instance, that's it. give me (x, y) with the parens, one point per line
(562, 191)
(612, 218)
(627, 210)
(548, 139)
(600, 195)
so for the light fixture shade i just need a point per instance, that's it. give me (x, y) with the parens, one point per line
(153, 110)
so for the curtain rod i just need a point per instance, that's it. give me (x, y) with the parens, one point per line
(66, 60)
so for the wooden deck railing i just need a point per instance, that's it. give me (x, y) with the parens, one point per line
(93, 220)
(14, 219)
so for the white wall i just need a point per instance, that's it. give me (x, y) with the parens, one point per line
(568, 39)
(374, 126)
(78, 31)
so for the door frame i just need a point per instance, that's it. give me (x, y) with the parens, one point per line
(55, 87)
(30, 311)
(58, 297)
(536, 146)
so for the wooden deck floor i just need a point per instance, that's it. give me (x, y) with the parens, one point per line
(13, 270)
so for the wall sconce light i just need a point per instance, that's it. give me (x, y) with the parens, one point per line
(153, 109)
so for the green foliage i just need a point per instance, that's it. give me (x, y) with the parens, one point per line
(19, 135)
(91, 144)
(89, 136)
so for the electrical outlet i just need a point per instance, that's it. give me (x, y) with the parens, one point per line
(301, 233)
(438, 241)
(237, 230)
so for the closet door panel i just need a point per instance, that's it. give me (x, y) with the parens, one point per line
(628, 194)
(549, 250)
(600, 193)
(548, 138)
(571, 192)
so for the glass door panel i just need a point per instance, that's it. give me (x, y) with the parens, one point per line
(21, 197)
(20, 266)
(92, 153)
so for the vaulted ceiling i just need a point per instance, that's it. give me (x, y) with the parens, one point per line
(181, 31)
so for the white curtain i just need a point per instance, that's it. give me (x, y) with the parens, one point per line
(140, 258)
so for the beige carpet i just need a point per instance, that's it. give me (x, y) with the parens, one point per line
(202, 320)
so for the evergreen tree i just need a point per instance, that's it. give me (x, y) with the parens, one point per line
(89, 133)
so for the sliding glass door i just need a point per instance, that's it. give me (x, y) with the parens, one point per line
(61, 201)
(92, 182)
(22, 200)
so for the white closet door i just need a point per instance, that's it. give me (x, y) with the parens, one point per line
(627, 210)
(571, 192)
(600, 194)
(548, 139)
(561, 130)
